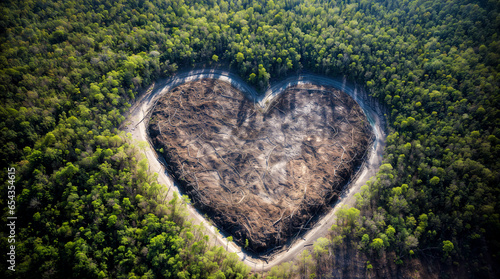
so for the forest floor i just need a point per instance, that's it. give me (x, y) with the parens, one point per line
(139, 113)
(260, 174)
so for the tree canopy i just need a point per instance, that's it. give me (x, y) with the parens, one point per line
(86, 203)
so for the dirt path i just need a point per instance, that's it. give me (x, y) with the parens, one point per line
(135, 124)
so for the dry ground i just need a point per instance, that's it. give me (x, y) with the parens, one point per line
(260, 175)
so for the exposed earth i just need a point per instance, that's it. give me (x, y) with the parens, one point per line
(260, 174)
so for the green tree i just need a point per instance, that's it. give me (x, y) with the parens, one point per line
(377, 244)
(240, 57)
(447, 247)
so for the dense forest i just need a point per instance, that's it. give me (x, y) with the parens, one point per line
(87, 205)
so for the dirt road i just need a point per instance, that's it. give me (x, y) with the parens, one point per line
(136, 121)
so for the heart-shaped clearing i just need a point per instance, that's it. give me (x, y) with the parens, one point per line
(261, 175)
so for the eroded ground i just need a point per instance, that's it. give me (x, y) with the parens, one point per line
(260, 175)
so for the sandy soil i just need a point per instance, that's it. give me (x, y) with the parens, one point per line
(135, 124)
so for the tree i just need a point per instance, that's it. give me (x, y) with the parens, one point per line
(321, 255)
(228, 239)
(434, 181)
(240, 57)
(377, 244)
(390, 232)
(447, 248)
(365, 241)
(306, 263)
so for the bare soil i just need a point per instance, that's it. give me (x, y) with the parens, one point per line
(260, 174)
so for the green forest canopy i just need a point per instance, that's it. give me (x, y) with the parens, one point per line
(87, 205)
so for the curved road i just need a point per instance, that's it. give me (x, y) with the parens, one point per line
(136, 121)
